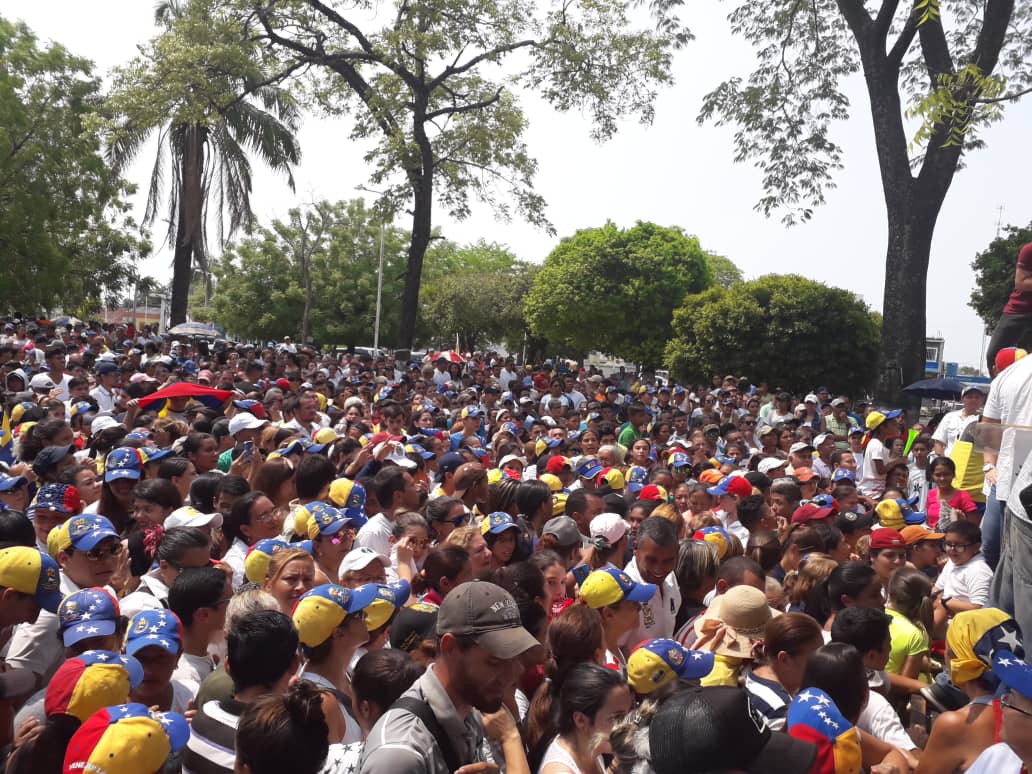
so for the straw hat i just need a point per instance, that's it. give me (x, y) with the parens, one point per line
(744, 613)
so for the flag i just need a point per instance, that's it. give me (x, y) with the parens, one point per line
(6, 440)
(213, 399)
(813, 717)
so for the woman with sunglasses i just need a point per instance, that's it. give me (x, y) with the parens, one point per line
(250, 519)
(331, 625)
(444, 514)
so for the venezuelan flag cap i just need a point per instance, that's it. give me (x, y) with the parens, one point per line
(656, 662)
(30, 571)
(125, 739)
(90, 681)
(813, 717)
(325, 607)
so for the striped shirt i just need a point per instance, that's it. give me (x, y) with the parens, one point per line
(212, 745)
(770, 699)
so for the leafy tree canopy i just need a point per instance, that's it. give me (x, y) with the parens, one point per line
(615, 290)
(800, 333)
(994, 273)
(66, 237)
(725, 273)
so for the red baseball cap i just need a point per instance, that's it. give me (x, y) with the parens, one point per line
(557, 465)
(811, 512)
(652, 492)
(887, 538)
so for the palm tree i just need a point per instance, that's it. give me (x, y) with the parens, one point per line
(210, 169)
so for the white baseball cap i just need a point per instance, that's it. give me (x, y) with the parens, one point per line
(245, 421)
(360, 558)
(41, 382)
(188, 516)
(396, 455)
(767, 464)
(611, 526)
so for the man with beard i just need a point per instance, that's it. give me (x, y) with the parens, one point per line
(436, 727)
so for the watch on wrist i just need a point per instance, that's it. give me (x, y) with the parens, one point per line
(987, 467)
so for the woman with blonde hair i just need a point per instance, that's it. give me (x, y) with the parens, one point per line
(291, 573)
(470, 539)
(806, 585)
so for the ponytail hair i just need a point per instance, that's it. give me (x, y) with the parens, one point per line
(285, 732)
(910, 594)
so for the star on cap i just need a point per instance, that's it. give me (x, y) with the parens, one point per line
(806, 696)
(1011, 638)
(93, 630)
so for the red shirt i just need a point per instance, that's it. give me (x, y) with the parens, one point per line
(1020, 302)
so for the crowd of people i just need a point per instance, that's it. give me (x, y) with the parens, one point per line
(217, 557)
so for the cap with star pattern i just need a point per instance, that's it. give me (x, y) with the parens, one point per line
(91, 680)
(125, 739)
(87, 613)
(159, 628)
(813, 717)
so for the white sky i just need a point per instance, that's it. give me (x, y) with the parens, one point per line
(673, 173)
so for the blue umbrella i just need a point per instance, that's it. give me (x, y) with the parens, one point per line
(199, 330)
(66, 321)
(942, 388)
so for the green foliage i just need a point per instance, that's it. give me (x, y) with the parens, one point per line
(799, 333)
(476, 292)
(260, 292)
(66, 237)
(615, 290)
(725, 273)
(994, 273)
(959, 102)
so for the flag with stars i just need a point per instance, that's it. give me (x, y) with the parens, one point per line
(813, 717)
(6, 440)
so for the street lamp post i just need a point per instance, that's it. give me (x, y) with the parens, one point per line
(379, 274)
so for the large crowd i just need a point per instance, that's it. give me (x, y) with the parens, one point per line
(217, 557)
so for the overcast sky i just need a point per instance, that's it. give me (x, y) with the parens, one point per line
(672, 172)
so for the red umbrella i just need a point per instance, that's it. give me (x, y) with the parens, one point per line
(450, 355)
(210, 397)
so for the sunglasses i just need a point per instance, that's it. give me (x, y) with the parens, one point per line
(345, 535)
(96, 554)
(1005, 702)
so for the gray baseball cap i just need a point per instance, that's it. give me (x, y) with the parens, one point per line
(489, 615)
(564, 529)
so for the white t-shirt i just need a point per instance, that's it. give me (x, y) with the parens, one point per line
(880, 720)
(658, 614)
(950, 428)
(1010, 403)
(561, 761)
(871, 484)
(375, 534)
(969, 581)
(998, 759)
(735, 527)
(191, 671)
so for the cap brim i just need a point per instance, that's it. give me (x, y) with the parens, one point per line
(139, 643)
(90, 540)
(507, 643)
(114, 475)
(502, 527)
(784, 753)
(642, 592)
(635, 488)
(716, 490)
(100, 629)
(49, 600)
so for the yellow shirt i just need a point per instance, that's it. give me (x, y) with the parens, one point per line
(725, 672)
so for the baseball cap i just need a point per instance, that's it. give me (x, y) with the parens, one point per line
(415, 448)
(106, 367)
(559, 503)
(814, 718)
(488, 614)
(321, 610)
(732, 485)
(679, 460)
(245, 421)
(717, 537)
(915, 533)
(448, 463)
(656, 662)
(811, 512)
(891, 513)
(389, 598)
(850, 521)
(821, 438)
(101, 423)
(758, 480)
(887, 538)
(611, 526)
(467, 475)
(636, 479)
(544, 444)
(412, 625)
(564, 529)
(588, 468)
(41, 382)
(653, 492)
(555, 465)
(1007, 357)
(496, 523)
(876, 418)
(89, 681)
(612, 478)
(769, 464)
(125, 739)
(350, 496)
(803, 475)
(325, 520)
(471, 412)
(81, 533)
(188, 516)
(62, 498)
(717, 729)
(610, 585)
(840, 474)
(87, 613)
(711, 476)
(123, 462)
(48, 458)
(154, 627)
(1013, 672)
(800, 446)
(30, 571)
(396, 454)
(360, 558)
(256, 561)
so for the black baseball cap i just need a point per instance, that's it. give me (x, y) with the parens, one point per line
(488, 614)
(412, 625)
(717, 729)
(849, 522)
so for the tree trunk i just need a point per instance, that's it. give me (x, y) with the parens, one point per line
(422, 182)
(190, 226)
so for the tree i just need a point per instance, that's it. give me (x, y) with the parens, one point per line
(725, 273)
(261, 281)
(423, 82)
(782, 329)
(615, 290)
(476, 292)
(66, 238)
(201, 90)
(994, 273)
(950, 67)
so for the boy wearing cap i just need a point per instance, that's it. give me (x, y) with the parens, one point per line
(883, 429)
(87, 549)
(155, 639)
(436, 727)
(618, 600)
(731, 491)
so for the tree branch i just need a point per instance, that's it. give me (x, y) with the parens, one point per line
(990, 38)
(936, 49)
(906, 37)
(468, 108)
(451, 70)
(856, 16)
(1006, 97)
(883, 21)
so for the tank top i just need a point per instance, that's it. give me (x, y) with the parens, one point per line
(556, 753)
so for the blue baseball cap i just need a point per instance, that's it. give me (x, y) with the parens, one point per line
(154, 627)
(87, 613)
(637, 478)
(1013, 672)
(7, 483)
(124, 462)
(415, 448)
(496, 523)
(326, 520)
(588, 468)
(656, 662)
(448, 463)
(610, 585)
(840, 474)
(85, 532)
(679, 460)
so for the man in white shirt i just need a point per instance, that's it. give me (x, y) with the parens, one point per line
(396, 492)
(655, 556)
(199, 597)
(955, 422)
(105, 393)
(965, 580)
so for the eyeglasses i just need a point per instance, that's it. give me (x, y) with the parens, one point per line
(266, 517)
(1005, 702)
(96, 554)
(957, 546)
